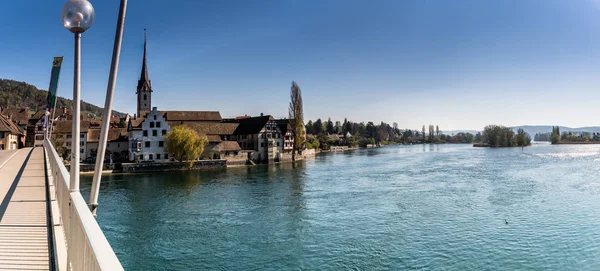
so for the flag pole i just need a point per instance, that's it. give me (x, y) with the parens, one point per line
(52, 93)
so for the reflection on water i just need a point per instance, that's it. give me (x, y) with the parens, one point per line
(407, 207)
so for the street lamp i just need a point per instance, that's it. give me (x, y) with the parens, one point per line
(77, 17)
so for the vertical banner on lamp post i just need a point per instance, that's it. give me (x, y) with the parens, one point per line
(54, 81)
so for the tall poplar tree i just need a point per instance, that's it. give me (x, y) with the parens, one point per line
(296, 116)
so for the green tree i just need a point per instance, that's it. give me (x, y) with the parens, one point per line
(329, 127)
(555, 136)
(185, 144)
(296, 118)
(317, 127)
(59, 145)
(309, 128)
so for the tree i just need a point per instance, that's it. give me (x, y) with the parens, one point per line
(59, 145)
(555, 137)
(371, 130)
(347, 127)
(522, 139)
(317, 127)
(185, 144)
(329, 126)
(437, 130)
(309, 128)
(423, 132)
(431, 133)
(296, 116)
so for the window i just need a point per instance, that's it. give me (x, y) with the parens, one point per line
(262, 144)
(81, 136)
(155, 118)
(157, 124)
(68, 136)
(147, 144)
(150, 156)
(151, 124)
(277, 144)
(164, 132)
(68, 144)
(145, 97)
(82, 144)
(145, 133)
(166, 156)
(158, 156)
(39, 137)
(154, 132)
(108, 145)
(118, 145)
(81, 150)
(161, 143)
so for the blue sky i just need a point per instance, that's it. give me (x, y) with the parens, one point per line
(458, 64)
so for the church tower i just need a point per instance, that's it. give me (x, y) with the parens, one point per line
(144, 88)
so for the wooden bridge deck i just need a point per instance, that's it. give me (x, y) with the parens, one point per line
(23, 212)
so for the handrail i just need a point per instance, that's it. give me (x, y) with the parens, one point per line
(87, 247)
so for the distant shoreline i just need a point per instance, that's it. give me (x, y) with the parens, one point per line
(576, 143)
(483, 145)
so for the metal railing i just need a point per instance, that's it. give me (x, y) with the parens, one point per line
(87, 247)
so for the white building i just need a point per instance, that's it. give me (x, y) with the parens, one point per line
(146, 137)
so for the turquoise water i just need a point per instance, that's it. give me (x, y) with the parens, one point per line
(408, 207)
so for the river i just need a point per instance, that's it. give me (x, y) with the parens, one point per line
(431, 207)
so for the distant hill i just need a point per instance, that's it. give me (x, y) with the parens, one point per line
(534, 129)
(20, 94)
(453, 132)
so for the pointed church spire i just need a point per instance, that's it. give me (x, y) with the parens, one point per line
(144, 82)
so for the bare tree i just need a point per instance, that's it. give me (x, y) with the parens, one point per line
(437, 130)
(296, 118)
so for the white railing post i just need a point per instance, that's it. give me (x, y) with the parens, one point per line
(87, 247)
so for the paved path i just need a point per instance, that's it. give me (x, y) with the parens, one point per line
(23, 224)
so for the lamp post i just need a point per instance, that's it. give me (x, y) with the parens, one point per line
(77, 17)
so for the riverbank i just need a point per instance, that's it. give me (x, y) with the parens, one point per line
(483, 145)
(576, 143)
(185, 166)
(154, 167)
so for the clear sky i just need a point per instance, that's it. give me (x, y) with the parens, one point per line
(460, 64)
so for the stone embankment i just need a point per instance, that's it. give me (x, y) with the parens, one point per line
(156, 166)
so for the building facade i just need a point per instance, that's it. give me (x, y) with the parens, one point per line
(9, 134)
(146, 137)
(263, 135)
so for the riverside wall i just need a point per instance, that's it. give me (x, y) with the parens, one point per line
(156, 166)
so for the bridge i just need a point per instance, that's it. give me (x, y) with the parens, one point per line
(44, 225)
